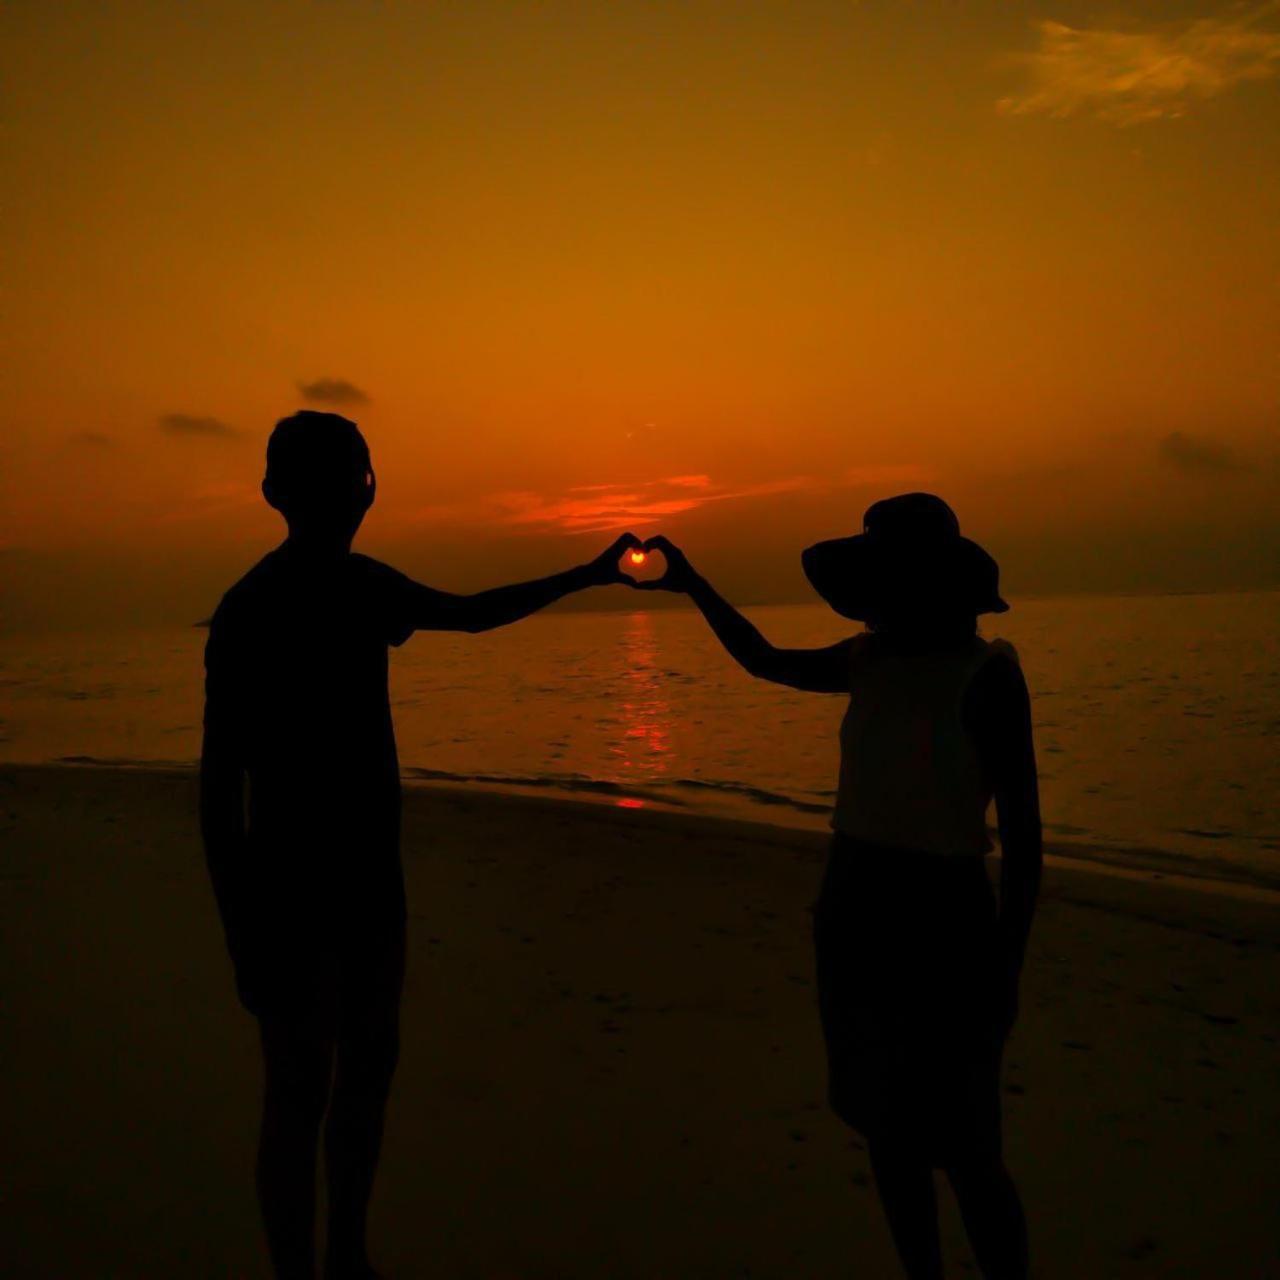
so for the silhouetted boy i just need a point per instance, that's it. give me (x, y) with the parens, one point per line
(306, 866)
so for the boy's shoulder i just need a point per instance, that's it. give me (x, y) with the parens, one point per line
(371, 570)
(258, 592)
(246, 597)
(380, 583)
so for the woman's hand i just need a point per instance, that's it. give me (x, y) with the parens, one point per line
(680, 575)
(605, 569)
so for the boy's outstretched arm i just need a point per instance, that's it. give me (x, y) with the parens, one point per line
(432, 610)
(813, 670)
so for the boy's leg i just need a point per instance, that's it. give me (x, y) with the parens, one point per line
(368, 1049)
(297, 1056)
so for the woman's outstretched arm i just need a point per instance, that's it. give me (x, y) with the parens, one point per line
(814, 670)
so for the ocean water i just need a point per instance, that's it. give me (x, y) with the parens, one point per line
(1157, 718)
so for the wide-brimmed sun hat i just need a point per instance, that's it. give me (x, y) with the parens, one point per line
(910, 555)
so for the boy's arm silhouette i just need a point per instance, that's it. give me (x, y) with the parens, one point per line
(823, 670)
(222, 795)
(424, 608)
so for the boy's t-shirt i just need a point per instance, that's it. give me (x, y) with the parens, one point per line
(296, 687)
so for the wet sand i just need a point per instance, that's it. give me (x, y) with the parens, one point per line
(611, 1062)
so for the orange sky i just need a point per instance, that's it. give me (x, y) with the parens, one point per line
(728, 270)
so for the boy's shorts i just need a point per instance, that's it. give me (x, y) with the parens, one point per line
(326, 962)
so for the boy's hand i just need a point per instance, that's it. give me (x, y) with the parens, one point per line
(604, 569)
(680, 574)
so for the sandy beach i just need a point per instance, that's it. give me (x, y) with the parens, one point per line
(611, 1062)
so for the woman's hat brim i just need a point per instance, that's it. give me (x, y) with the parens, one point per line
(855, 575)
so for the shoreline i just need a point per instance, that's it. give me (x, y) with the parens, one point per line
(631, 806)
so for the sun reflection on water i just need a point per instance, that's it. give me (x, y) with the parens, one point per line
(643, 751)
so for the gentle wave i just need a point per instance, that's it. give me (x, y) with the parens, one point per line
(570, 783)
(657, 790)
(758, 795)
(557, 782)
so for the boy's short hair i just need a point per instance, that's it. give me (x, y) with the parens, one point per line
(310, 442)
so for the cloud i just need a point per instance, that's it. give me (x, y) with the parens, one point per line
(334, 391)
(601, 508)
(1192, 453)
(1129, 77)
(211, 499)
(92, 439)
(188, 424)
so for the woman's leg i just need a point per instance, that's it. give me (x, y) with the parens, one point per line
(985, 1192)
(847, 948)
(988, 1200)
(992, 1213)
(904, 1179)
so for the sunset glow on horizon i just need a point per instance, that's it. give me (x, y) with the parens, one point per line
(724, 272)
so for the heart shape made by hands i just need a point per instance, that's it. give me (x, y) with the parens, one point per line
(644, 565)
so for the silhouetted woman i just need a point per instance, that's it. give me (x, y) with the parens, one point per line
(917, 968)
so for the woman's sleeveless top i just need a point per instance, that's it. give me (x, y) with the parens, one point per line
(910, 776)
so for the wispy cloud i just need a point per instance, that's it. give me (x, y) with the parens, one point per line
(190, 424)
(91, 439)
(334, 391)
(211, 499)
(600, 508)
(1131, 76)
(1194, 453)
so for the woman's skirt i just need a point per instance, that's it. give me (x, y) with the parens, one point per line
(905, 950)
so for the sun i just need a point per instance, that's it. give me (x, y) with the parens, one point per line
(637, 557)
